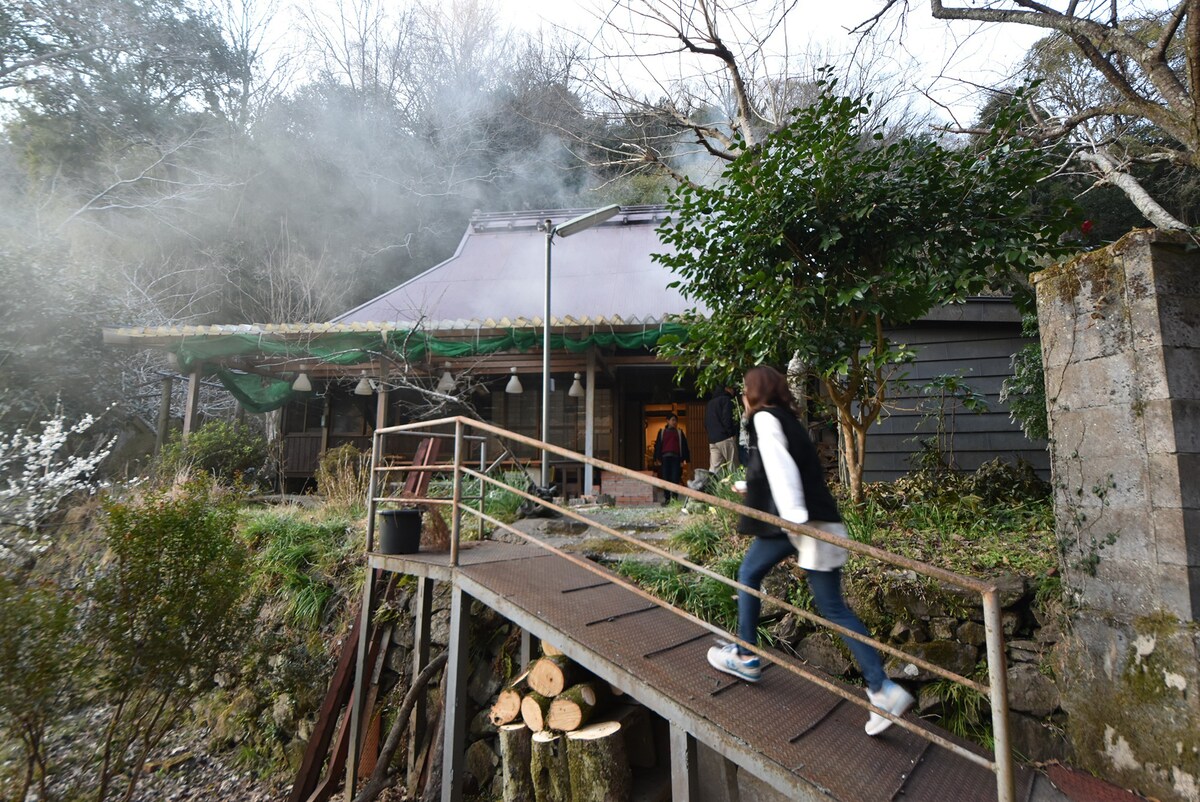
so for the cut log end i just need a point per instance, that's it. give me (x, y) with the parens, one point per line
(507, 707)
(550, 676)
(534, 710)
(601, 729)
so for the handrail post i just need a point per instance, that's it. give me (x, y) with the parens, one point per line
(482, 488)
(455, 509)
(376, 451)
(998, 675)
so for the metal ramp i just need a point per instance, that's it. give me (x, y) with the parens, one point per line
(797, 730)
(799, 738)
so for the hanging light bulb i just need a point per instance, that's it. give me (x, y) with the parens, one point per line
(364, 386)
(514, 384)
(576, 390)
(302, 384)
(446, 383)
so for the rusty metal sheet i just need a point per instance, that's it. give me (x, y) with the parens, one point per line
(783, 723)
(943, 775)
(839, 756)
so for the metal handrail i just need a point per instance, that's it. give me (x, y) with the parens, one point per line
(996, 691)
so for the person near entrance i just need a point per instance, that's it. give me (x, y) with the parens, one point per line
(671, 451)
(721, 425)
(784, 477)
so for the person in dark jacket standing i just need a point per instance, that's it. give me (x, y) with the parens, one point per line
(671, 451)
(721, 424)
(784, 478)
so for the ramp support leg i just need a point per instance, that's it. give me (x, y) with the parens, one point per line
(685, 774)
(422, 620)
(454, 745)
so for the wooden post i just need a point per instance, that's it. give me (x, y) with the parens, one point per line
(164, 414)
(191, 409)
(381, 404)
(685, 774)
(454, 744)
(358, 694)
(422, 620)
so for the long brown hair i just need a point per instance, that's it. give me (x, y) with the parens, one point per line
(766, 387)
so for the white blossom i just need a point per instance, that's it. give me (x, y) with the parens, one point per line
(36, 475)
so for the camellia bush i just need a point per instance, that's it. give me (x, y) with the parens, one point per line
(824, 239)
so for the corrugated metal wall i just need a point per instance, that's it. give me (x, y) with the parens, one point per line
(980, 355)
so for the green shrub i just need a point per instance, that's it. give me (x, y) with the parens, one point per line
(228, 450)
(503, 504)
(699, 595)
(1025, 391)
(343, 476)
(999, 518)
(499, 502)
(166, 614)
(297, 561)
(38, 664)
(700, 539)
(962, 710)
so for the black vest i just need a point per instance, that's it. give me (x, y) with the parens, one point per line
(818, 499)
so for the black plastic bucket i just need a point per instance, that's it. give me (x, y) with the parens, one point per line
(401, 531)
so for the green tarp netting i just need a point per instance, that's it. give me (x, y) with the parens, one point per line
(258, 393)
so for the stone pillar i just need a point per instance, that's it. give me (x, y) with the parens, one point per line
(1120, 333)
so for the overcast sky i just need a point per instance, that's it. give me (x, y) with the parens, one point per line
(984, 55)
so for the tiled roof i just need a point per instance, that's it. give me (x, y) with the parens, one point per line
(120, 334)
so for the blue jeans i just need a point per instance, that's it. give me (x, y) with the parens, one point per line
(767, 552)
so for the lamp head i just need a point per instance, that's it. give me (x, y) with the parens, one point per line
(514, 384)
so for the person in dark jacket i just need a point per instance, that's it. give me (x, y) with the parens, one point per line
(670, 452)
(721, 424)
(784, 478)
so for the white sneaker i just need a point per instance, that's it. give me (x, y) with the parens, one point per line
(726, 658)
(892, 698)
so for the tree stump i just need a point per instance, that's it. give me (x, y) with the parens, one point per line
(550, 650)
(517, 783)
(548, 767)
(552, 675)
(534, 709)
(574, 707)
(598, 764)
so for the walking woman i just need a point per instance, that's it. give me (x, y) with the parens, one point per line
(784, 478)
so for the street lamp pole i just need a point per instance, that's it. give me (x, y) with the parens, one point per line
(572, 226)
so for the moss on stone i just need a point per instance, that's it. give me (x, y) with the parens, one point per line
(1136, 726)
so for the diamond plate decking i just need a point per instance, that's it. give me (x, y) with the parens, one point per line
(801, 739)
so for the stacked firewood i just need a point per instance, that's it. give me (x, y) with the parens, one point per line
(567, 736)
